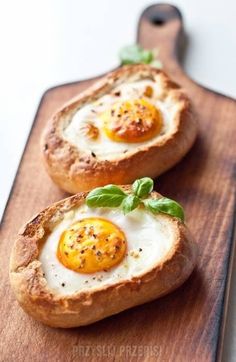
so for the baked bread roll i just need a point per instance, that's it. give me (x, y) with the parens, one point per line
(134, 122)
(73, 264)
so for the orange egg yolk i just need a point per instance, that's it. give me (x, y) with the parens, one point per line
(91, 245)
(132, 121)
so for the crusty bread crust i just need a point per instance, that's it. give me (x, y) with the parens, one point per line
(82, 308)
(75, 170)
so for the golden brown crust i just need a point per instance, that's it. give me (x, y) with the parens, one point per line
(81, 308)
(75, 170)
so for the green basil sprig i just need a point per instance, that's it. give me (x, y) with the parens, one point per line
(135, 54)
(113, 196)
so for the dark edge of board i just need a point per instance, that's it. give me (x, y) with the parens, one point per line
(228, 282)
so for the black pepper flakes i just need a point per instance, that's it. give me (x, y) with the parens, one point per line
(93, 154)
(62, 284)
(140, 249)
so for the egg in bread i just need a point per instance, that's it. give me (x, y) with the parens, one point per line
(74, 264)
(134, 122)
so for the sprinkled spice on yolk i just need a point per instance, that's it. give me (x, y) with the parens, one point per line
(91, 245)
(132, 121)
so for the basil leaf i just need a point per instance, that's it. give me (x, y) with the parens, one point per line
(107, 196)
(166, 206)
(134, 54)
(130, 203)
(143, 186)
(146, 56)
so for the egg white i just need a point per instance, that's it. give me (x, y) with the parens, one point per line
(148, 240)
(104, 147)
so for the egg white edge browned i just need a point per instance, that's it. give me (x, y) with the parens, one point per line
(82, 308)
(75, 170)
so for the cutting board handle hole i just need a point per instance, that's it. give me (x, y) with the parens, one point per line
(158, 21)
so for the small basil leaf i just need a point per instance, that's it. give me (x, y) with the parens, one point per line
(130, 203)
(146, 56)
(166, 206)
(107, 196)
(134, 54)
(142, 187)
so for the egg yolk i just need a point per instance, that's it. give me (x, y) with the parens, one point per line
(132, 121)
(91, 245)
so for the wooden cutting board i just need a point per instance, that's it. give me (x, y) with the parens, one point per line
(186, 325)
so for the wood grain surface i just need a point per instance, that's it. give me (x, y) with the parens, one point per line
(185, 325)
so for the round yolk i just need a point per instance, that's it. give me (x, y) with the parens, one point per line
(132, 121)
(91, 245)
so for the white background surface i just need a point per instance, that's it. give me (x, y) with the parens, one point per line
(45, 42)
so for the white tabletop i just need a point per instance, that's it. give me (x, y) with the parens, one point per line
(44, 43)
